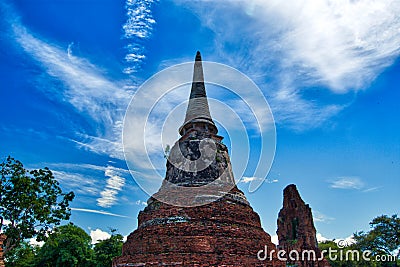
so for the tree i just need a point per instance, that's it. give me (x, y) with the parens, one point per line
(348, 256)
(31, 203)
(106, 250)
(383, 239)
(22, 255)
(67, 246)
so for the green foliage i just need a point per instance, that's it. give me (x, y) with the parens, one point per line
(167, 151)
(22, 255)
(383, 238)
(381, 243)
(68, 245)
(31, 203)
(348, 256)
(108, 249)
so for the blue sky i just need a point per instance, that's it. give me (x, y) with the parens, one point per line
(329, 72)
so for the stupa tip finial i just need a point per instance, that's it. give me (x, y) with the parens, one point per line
(198, 56)
(198, 110)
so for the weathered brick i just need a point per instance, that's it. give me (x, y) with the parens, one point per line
(296, 231)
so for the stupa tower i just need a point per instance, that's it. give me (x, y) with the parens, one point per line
(198, 217)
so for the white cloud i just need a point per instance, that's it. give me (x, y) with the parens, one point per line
(341, 242)
(78, 182)
(137, 28)
(348, 183)
(110, 144)
(372, 189)
(114, 185)
(84, 179)
(274, 239)
(353, 182)
(71, 167)
(320, 217)
(340, 45)
(141, 202)
(99, 212)
(344, 44)
(246, 180)
(98, 235)
(249, 179)
(33, 242)
(291, 110)
(5, 222)
(321, 238)
(87, 87)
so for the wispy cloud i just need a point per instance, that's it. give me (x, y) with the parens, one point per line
(354, 183)
(291, 110)
(114, 184)
(348, 183)
(99, 212)
(288, 46)
(137, 28)
(87, 87)
(78, 182)
(251, 179)
(95, 95)
(320, 217)
(344, 44)
(141, 203)
(88, 180)
(372, 189)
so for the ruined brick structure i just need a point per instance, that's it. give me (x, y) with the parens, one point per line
(198, 217)
(2, 239)
(296, 231)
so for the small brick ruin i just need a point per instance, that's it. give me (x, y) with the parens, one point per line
(296, 231)
(2, 239)
(199, 217)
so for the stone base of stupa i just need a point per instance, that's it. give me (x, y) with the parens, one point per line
(226, 232)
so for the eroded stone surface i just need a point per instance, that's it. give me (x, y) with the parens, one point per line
(198, 217)
(296, 231)
(222, 232)
(2, 239)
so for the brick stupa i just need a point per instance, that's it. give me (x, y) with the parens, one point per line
(198, 217)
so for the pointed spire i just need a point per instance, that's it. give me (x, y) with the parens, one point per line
(198, 87)
(198, 110)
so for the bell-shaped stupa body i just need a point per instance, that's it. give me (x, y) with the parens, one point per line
(198, 217)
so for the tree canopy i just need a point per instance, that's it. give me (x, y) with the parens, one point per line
(106, 250)
(383, 238)
(381, 245)
(31, 203)
(22, 255)
(68, 245)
